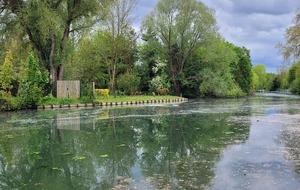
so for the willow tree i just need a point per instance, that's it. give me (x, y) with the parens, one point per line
(48, 25)
(181, 26)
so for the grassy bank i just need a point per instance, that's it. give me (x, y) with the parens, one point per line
(102, 99)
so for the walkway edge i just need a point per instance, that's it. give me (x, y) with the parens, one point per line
(111, 104)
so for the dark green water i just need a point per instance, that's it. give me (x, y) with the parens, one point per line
(250, 143)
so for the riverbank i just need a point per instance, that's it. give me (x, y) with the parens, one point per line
(116, 101)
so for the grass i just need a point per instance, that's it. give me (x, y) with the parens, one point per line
(132, 98)
(50, 100)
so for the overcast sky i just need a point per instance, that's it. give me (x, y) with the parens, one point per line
(258, 25)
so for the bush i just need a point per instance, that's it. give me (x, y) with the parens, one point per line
(85, 99)
(129, 83)
(102, 92)
(86, 90)
(162, 91)
(32, 83)
(11, 103)
(51, 100)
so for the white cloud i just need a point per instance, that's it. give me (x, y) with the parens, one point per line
(257, 25)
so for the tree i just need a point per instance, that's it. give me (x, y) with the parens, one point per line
(180, 27)
(260, 71)
(291, 48)
(216, 78)
(129, 83)
(6, 73)
(87, 64)
(119, 40)
(32, 83)
(48, 26)
(241, 69)
(160, 79)
(292, 74)
(293, 78)
(255, 81)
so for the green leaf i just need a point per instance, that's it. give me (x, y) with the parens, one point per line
(56, 168)
(104, 156)
(121, 145)
(78, 158)
(67, 153)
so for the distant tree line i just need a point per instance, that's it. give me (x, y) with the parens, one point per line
(179, 50)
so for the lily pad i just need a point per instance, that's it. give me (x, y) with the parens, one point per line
(78, 158)
(121, 145)
(104, 156)
(67, 153)
(56, 168)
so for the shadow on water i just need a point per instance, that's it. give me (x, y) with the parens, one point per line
(171, 146)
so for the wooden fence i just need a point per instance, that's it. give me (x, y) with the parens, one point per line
(68, 89)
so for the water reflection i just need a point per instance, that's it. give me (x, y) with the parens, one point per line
(172, 146)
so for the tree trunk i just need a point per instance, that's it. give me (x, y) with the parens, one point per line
(60, 72)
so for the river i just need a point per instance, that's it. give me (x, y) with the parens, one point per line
(246, 143)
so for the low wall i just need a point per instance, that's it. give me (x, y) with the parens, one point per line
(111, 104)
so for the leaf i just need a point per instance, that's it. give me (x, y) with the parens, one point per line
(104, 156)
(35, 153)
(67, 153)
(9, 136)
(121, 145)
(56, 168)
(78, 158)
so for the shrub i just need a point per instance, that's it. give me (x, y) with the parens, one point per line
(6, 72)
(32, 83)
(162, 91)
(102, 92)
(129, 83)
(85, 99)
(11, 103)
(86, 90)
(49, 99)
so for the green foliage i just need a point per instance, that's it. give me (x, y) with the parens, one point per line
(160, 79)
(51, 100)
(242, 69)
(149, 54)
(216, 84)
(295, 86)
(215, 77)
(32, 83)
(88, 64)
(86, 90)
(168, 29)
(10, 103)
(276, 84)
(260, 71)
(292, 74)
(293, 78)
(129, 83)
(6, 73)
(48, 25)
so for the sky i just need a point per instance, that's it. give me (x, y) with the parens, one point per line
(255, 24)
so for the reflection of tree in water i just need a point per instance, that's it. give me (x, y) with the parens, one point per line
(182, 152)
(172, 151)
(49, 158)
(291, 136)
